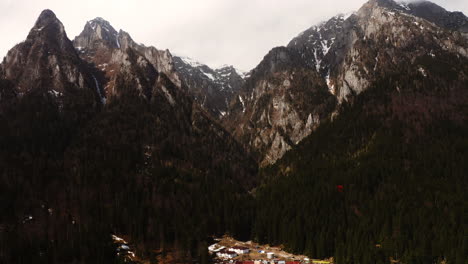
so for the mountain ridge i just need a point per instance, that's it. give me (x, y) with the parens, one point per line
(359, 120)
(346, 52)
(126, 128)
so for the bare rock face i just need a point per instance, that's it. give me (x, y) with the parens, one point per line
(162, 60)
(136, 76)
(438, 15)
(213, 89)
(105, 48)
(46, 60)
(282, 102)
(385, 35)
(128, 79)
(340, 59)
(118, 58)
(97, 32)
(133, 70)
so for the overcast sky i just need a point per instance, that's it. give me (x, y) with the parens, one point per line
(215, 32)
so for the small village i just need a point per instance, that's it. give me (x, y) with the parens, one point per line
(227, 250)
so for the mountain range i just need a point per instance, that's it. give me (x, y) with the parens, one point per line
(101, 135)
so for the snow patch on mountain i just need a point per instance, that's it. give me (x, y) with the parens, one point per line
(191, 62)
(243, 104)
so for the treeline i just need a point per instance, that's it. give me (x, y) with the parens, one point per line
(72, 174)
(386, 180)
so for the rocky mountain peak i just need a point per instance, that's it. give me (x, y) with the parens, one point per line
(422, 9)
(212, 88)
(48, 26)
(231, 71)
(125, 40)
(46, 17)
(346, 54)
(368, 8)
(46, 60)
(383, 3)
(278, 59)
(438, 15)
(98, 32)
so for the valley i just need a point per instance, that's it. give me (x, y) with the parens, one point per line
(346, 145)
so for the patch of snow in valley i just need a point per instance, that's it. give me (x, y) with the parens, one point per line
(330, 86)
(55, 93)
(242, 102)
(168, 95)
(27, 219)
(422, 71)
(317, 60)
(209, 75)
(325, 47)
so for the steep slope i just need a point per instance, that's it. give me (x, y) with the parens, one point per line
(438, 15)
(116, 56)
(385, 38)
(378, 24)
(149, 163)
(346, 53)
(388, 172)
(213, 89)
(46, 61)
(281, 103)
(130, 69)
(315, 43)
(100, 44)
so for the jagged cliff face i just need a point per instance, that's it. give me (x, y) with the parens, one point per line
(117, 58)
(282, 102)
(437, 15)
(340, 59)
(385, 36)
(315, 43)
(380, 27)
(46, 60)
(111, 75)
(126, 69)
(213, 89)
(147, 137)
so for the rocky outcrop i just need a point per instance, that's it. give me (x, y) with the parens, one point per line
(282, 102)
(116, 56)
(213, 89)
(340, 59)
(46, 60)
(384, 36)
(438, 15)
(127, 70)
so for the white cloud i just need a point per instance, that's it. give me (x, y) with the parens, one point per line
(238, 32)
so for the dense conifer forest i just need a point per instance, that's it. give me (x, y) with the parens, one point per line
(385, 180)
(72, 174)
